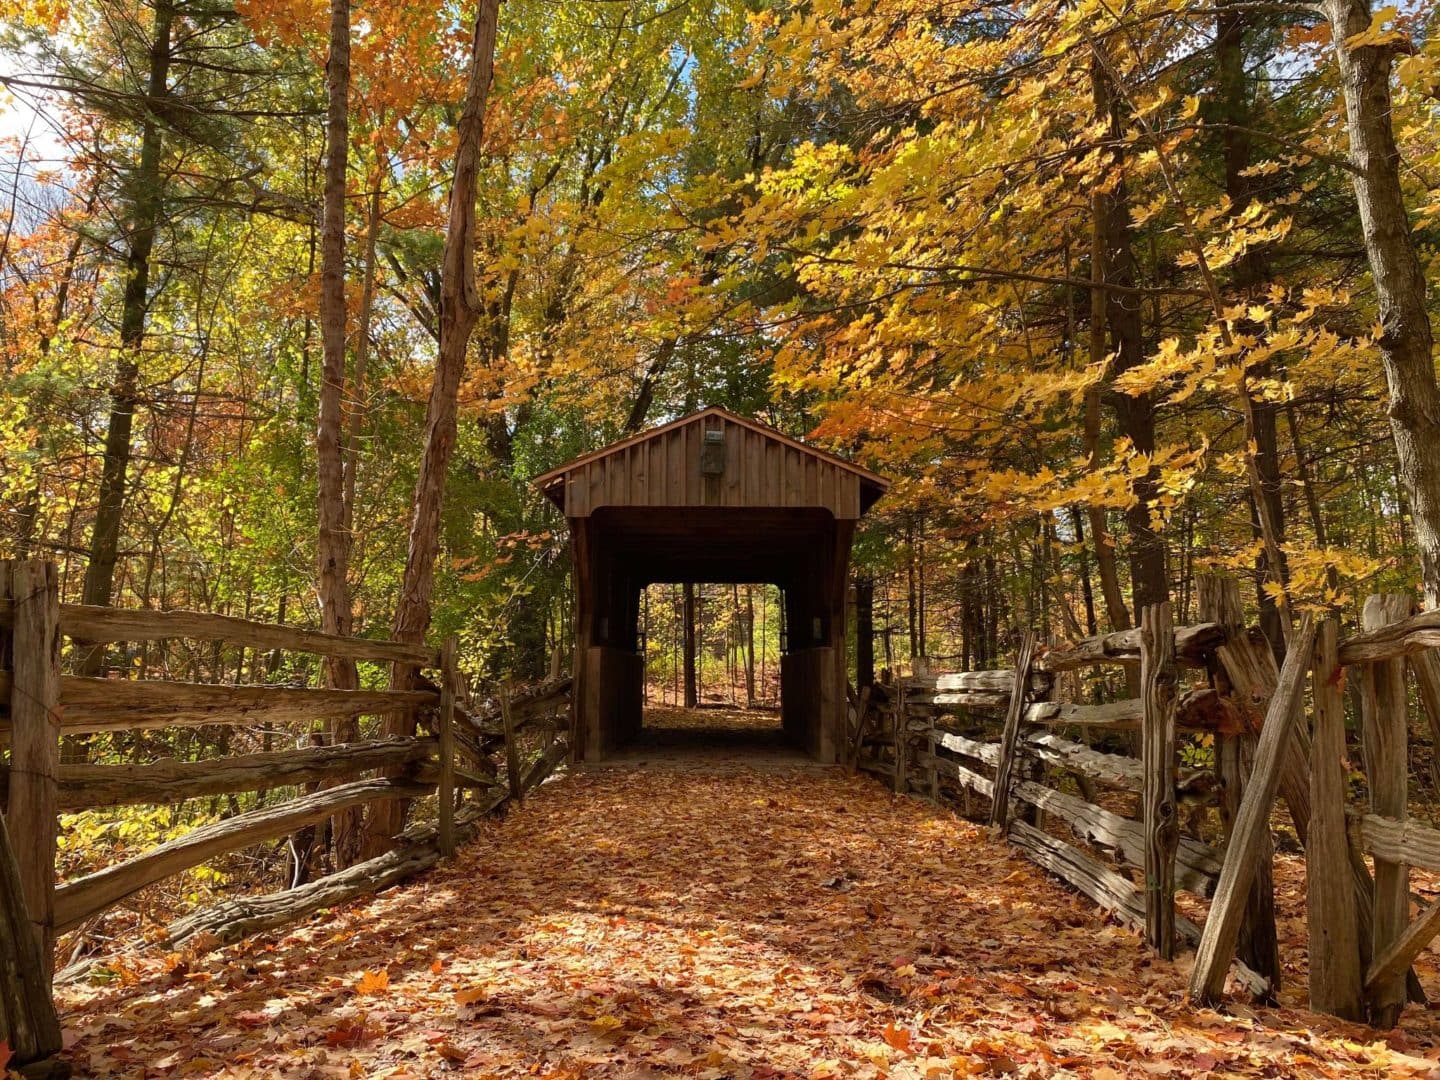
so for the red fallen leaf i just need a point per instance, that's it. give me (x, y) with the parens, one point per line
(251, 1019)
(348, 1034)
(5, 1053)
(1204, 1062)
(897, 1038)
(450, 1052)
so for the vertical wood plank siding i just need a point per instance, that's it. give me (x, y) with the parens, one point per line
(664, 470)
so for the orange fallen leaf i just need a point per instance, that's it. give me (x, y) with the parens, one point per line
(896, 1038)
(374, 982)
(470, 996)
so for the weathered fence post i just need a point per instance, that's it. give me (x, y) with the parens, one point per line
(1252, 822)
(1243, 668)
(27, 1014)
(512, 748)
(1334, 924)
(1158, 681)
(35, 739)
(1010, 737)
(445, 791)
(898, 781)
(1386, 743)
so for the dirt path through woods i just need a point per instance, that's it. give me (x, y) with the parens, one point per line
(734, 923)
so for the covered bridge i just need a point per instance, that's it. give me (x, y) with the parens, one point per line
(711, 497)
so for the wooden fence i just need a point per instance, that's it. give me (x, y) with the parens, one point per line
(39, 705)
(1108, 778)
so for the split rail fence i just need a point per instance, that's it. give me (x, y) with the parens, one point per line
(40, 705)
(1098, 793)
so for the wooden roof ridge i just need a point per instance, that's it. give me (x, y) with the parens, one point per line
(545, 479)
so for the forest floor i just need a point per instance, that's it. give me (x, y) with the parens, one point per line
(661, 918)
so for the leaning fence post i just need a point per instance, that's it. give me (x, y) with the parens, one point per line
(1386, 744)
(445, 791)
(1158, 680)
(35, 739)
(1334, 926)
(1249, 835)
(1010, 736)
(1241, 667)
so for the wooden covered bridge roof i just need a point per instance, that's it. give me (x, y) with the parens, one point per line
(712, 458)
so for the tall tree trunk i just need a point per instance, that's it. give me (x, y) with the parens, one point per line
(146, 202)
(1406, 336)
(750, 698)
(864, 631)
(912, 597)
(334, 542)
(1233, 111)
(1087, 590)
(358, 391)
(460, 308)
(334, 539)
(687, 617)
(1116, 614)
(1134, 414)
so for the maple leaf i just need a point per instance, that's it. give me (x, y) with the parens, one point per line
(348, 1034)
(896, 1038)
(5, 1053)
(374, 982)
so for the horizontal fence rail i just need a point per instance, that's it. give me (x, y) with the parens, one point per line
(1062, 781)
(454, 760)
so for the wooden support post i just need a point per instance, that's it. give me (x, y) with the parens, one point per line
(1010, 736)
(902, 756)
(1329, 886)
(1252, 823)
(1243, 668)
(512, 749)
(35, 739)
(1158, 682)
(934, 771)
(899, 730)
(862, 718)
(445, 791)
(28, 1023)
(1386, 745)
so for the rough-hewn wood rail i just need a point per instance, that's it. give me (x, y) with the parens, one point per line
(38, 704)
(94, 625)
(1363, 939)
(948, 757)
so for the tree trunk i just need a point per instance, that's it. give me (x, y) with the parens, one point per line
(334, 540)
(1233, 112)
(1116, 614)
(687, 617)
(1134, 414)
(864, 632)
(1406, 337)
(145, 217)
(460, 306)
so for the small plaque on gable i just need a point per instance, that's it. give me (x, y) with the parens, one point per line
(712, 453)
